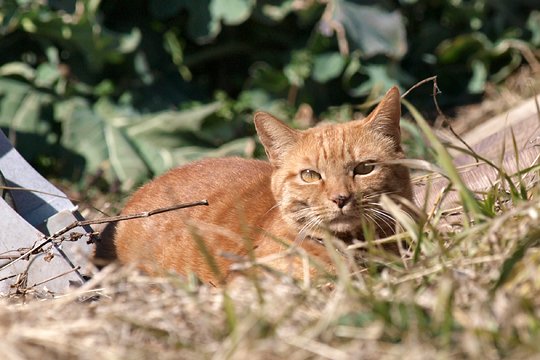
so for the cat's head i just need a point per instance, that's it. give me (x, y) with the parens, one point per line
(330, 178)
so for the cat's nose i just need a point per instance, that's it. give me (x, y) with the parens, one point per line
(341, 200)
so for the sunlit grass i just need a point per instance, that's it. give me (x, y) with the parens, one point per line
(464, 285)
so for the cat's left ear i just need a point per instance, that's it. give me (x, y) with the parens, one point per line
(385, 117)
(275, 136)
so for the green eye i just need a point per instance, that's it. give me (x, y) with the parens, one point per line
(310, 176)
(364, 168)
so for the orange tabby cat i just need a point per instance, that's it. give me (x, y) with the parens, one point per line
(324, 179)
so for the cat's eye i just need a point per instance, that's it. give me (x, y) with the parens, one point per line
(310, 176)
(364, 168)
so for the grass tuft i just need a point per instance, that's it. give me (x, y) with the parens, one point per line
(454, 291)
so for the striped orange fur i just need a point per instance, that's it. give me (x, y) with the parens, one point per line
(326, 179)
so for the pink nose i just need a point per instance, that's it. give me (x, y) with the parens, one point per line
(341, 200)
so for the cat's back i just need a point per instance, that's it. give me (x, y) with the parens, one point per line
(212, 179)
(238, 191)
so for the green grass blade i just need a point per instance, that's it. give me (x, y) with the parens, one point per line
(208, 257)
(444, 159)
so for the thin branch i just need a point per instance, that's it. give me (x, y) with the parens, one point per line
(437, 91)
(420, 83)
(54, 277)
(101, 221)
(8, 277)
(139, 215)
(18, 188)
(61, 196)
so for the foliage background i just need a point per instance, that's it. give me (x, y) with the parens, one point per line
(122, 90)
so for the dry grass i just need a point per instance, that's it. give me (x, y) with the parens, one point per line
(469, 293)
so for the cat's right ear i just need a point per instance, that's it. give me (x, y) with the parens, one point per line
(275, 136)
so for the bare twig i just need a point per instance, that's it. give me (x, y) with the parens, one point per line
(19, 188)
(420, 83)
(8, 277)
(437, 91)
(138, 215)
(54, 277)
(61, 196)
(75, 224)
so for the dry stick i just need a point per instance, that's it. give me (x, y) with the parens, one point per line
(101, 221)
(8, 277)
(445, 119)
(18, 188)
(420, 83)
(73, 200)
(437, 91)
(77, 268)
(134, 216)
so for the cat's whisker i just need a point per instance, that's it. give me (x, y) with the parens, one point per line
(319, 212)
(376, 220)
(307, 226)
(277, 205)
(371, 219)
(385, 218)
(383, 215)
(374, 208)
(302, 216)
(377, 208)
(376, 195)
(313, 223)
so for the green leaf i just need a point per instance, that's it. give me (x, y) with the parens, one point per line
(18, 68)
(372, 30)
(380, 79)
(299, 67)
(173, 121)
(258, 99)
(161, 159)
(83, 33)
(83, 134)
(231, 12)
(515, 61)
(477, 83)
(157, 136)
(533, 24)
(47, 75)
(158, 159)
(94, 133)
(327, 66)
(240, 147)
(21, 107)
(279, 11)
(127, 164)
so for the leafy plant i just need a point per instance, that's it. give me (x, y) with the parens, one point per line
(128, 89)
